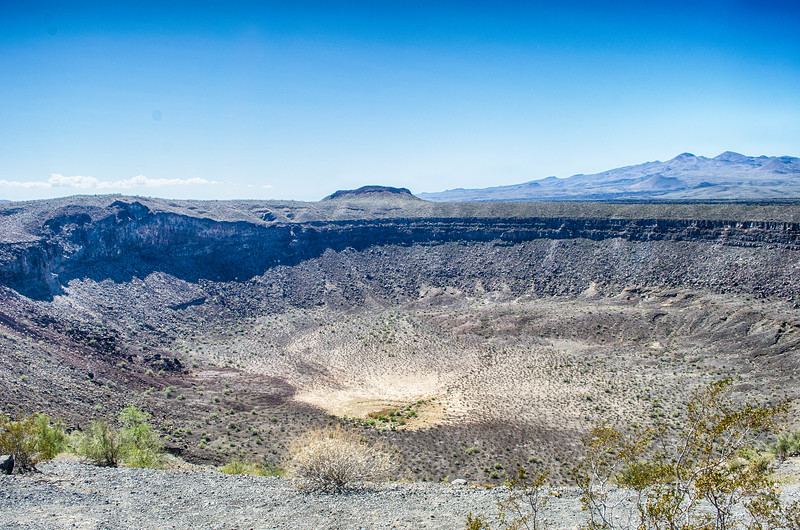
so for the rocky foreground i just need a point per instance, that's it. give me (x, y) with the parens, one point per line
(73, 495)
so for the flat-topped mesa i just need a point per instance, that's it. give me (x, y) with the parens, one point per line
(372, 192)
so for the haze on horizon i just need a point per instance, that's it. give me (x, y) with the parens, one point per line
(214, 100)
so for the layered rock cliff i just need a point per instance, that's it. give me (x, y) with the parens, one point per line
(44, 244)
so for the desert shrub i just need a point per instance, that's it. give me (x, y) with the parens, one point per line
(477, 522)
(99, 443)
(134, 444)
(332, 460)
(711, 476)
(51, 437)
(18, 438)
(788, 444)
(790, 515)
(31, 440)
(525, 501)
(712, 462)
(241, 467)
(139, 445)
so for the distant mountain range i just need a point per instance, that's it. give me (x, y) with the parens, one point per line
(729, 176)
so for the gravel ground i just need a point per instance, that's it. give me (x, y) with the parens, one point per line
(74, 495)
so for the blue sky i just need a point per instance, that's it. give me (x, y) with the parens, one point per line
(294, 100)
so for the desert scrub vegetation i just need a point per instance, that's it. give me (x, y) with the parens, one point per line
(334, 459)
(711, 476)
(242, 467)
(527, 497)
(392, 417)
(788, 444)
(133, 444)
(99, 443)
(477, 522)
(523, 506)
(31, 440)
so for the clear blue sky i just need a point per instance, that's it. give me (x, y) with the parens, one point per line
(299, 99)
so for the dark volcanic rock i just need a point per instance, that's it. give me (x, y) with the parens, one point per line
(127, 238)
(371, 191)
(6, 464)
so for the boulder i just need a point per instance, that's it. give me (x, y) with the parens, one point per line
(6, 464)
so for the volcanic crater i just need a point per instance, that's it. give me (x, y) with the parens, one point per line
(498, 333)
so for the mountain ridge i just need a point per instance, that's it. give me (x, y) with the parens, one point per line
(727, 176)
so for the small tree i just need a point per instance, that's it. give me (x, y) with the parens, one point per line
(332, 460)
(695, 482)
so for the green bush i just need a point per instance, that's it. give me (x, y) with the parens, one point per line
(18, 438)
(134, 444)
(140, 446)
(31, 440)
(52, 439)
(99, 443)
(788, 444)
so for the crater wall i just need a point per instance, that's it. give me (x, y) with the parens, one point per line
(128, 239)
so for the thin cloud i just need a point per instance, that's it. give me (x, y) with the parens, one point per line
(86, 183)
(18, 184)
